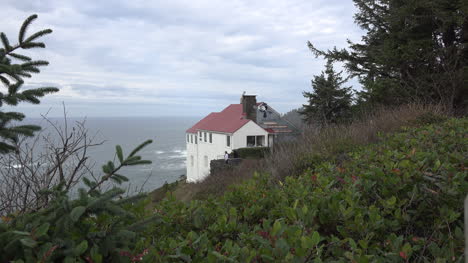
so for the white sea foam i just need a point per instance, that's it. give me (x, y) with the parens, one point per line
(19, 166)
(160, 152)
(173, 166)
(178, 154)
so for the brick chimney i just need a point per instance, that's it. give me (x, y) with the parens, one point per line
(249, 103)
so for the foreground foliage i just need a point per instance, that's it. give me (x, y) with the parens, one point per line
(400, 200)
(14, 67)
(252, 152)
(97, 226)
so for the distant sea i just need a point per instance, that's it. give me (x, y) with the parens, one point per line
(167, 152)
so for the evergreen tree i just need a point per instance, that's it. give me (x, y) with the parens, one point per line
(412, 50)
(329, 102)
(92, 225)
(14, 68)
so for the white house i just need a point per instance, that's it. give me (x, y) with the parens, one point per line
(248, 124)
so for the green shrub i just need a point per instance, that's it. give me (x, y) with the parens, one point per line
(430, 118)
(252, 152)
(95, 227)
(400, 200)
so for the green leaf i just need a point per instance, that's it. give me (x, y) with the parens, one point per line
(276, 228)
(221, 257)
(315, 238)
(139, 162)
(352, 244)
(5, 42)
(77, 212)
(28, 242)
(42, 230)
(20, 57)
(29, 45)
(407, 248)
(306, 242)
(81, 248)
(38, 34)
(95, 255)
(21, 233)
(118, 150)
(405, 164)
(391, 201)
(25, 26)
(139, 147)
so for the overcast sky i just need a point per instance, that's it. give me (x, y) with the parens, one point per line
(178, 57)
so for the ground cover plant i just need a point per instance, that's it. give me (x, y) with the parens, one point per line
(315, 144)
(399, 200)
(100, 225)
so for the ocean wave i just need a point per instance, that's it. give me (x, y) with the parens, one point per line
(181, 152)
(178, 156)
(173, 166)
(19, 166)
(159, 152)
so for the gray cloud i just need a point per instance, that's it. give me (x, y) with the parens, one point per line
(159, 55)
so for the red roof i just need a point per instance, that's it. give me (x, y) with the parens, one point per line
(229, 120)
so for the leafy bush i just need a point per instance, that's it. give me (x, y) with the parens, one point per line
(252, 152)
(400, 200)
(96, 227)
(430, 118)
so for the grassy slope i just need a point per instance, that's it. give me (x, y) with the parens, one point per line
(398, 200)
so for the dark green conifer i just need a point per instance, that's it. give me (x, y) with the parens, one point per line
(14, 67)
(412, 50)
(329, 102)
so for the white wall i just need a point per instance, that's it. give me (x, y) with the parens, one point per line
(212, 151)
(215, 150)
(192, 151)
(249, 129)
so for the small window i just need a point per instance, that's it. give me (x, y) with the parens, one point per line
(228, 141)
(204, 136)
(191, 160)
(191, 138)
(211, 138)
(206, 161)
(260, 141)
(196, 139)
(188, 138)
(250, 141)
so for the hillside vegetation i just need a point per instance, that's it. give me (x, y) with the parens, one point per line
(399, 200)
(343, 194)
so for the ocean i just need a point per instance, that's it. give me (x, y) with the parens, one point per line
(167, 152)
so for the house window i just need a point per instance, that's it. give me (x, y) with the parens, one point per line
(206, 161)
(196, 139)
(228, 141)
(250, 141)
(191, 160)
(191, 138)
(204, 136)
(253, 141)
(211, 138)
(188, 138)
(260, 141)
